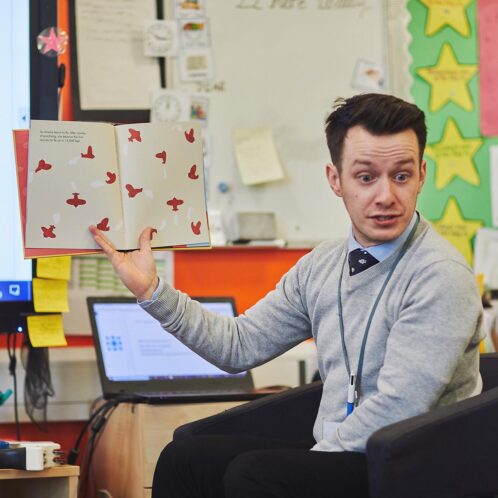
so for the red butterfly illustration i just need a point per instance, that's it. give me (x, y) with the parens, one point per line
(134, 135)
(196, 227)
(152, 232)
(190, 136)
(89, 154)
(111, 178)
(42, 165)
(104, 225)
(75, 201)
(162, 155)
(174, 203)
(132, 192)
(48, 233)
(192, 173)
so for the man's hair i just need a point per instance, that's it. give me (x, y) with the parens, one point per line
(379, 114)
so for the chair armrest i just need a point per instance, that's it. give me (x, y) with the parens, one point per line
(448, 452)
(288, 416)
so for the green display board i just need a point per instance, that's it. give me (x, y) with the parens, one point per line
(445, 71)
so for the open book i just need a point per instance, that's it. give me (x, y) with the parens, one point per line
(119, 178)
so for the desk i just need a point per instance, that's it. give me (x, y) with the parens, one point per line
(133, 438)
(56, 482)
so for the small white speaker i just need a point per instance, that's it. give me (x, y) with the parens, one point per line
(247, 226)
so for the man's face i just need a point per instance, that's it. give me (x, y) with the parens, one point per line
(380, 179)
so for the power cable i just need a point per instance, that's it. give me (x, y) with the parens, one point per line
(37, 383)
(11, 351)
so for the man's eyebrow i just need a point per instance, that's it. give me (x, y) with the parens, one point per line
(371, 164)
(362, 162)
(408, 160)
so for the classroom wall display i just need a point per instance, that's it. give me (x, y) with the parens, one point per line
(445, 70)
(111, 77)
(274, 70)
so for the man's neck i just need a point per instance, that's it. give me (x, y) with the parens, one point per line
(383, 251)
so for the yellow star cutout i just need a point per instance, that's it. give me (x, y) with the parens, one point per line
(453, 156)
(456, 229)
(447, 13)
(449, 81)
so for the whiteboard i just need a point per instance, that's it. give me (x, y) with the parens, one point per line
(282, 63)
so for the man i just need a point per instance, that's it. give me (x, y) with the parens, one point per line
(394, 311)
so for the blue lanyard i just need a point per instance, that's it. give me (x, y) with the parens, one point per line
(355, 380)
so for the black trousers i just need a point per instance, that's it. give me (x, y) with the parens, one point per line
(249, 467)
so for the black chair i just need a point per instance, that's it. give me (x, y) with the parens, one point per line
(450, 452)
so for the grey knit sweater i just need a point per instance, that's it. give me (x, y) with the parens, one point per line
(422, 348)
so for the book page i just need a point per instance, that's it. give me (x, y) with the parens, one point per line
(73, 182)
(162, 183)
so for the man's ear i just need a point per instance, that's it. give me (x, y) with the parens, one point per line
(334, 179)
(423, 173)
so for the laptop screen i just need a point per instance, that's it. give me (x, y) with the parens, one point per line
(134, 346)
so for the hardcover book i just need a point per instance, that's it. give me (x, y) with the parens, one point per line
(120, 178)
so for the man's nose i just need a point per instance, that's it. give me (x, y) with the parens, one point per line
(385, 192)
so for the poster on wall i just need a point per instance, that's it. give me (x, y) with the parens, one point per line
(445, 71)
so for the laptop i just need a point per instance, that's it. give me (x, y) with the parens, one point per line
(138, 360)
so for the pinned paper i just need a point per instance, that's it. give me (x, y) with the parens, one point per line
(194, 33)
(58, 268)
(46, 330)
(50, 295)
(199, 108)
(456, 229)
(196, 64)
(368, 77)
(189, 8)
(450, 13)
(256, 155)
(453, 156)
(485, 251)
(487, 14)
(493, 172)
(449, 81)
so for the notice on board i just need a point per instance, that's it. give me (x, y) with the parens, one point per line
(46, 330)
(257, 156)
(50, 296)
(58, 268)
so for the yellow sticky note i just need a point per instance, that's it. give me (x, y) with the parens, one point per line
(50, 295)
(46, 330)
(480, 283)
(57, 268)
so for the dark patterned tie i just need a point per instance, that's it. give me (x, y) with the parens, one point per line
(360, 260)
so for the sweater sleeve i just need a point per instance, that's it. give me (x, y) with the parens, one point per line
(439, 324)
(275, 324)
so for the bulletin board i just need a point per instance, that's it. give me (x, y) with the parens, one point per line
(281, 64)
(453, 54)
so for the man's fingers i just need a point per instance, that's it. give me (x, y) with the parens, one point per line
(145, 238)
(106, 245)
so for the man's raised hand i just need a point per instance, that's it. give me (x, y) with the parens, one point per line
(136, 269)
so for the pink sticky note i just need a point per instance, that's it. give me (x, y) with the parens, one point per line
(487, 17)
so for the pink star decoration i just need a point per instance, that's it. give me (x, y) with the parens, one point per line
(51, 42)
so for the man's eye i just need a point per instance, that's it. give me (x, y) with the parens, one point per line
(365, 178)
(401, 177)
